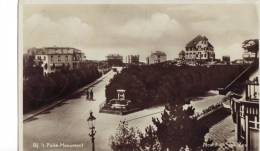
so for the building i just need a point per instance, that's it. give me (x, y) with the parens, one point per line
(115, 60)
(245, 114)
(226, 59)
(156, 57)
(132, 59)
(199, 48)
(53, 59)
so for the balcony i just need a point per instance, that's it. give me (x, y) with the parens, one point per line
(245, 113)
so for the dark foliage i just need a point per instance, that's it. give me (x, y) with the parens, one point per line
(155, 84)
(252, 45)
(39, 90)
(29, 68)
(125, 139)
(149, 140)
(178, 127)
(176, 130)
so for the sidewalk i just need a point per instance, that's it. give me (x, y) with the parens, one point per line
(47, 107)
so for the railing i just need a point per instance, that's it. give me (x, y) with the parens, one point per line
(211, 109)
(240, 75)
(250, 69)
(245, 107)
(246, 116)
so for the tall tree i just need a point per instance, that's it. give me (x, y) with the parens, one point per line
(178, 128)
(125, 139)
(252, 45)
(149, 140)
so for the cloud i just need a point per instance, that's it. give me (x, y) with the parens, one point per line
(131, 29)
(70, 31)
(234, 50)
(153, 28)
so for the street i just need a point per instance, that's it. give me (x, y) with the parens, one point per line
(66, 123)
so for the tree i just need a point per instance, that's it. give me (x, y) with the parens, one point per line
(159, 83)
(125, 139)
(149, 140)
(178, 127)
(30, 68)
(182, 55)
(252, 45)
(39, 90)
(135, 89)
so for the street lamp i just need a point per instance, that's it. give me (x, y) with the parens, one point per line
(91, 123)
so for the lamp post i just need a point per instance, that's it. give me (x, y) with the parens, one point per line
(91, 123)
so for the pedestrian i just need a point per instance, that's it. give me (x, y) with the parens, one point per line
(87, 94)
(91, 94)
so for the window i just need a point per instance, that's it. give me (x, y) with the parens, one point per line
(67, 58)
(44, 57)
(59, 58)
(51, 58)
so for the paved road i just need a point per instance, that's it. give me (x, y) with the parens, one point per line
(67, 124)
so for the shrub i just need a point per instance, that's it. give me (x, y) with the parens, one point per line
(163, 83)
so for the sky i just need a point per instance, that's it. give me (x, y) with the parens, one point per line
(101, 29)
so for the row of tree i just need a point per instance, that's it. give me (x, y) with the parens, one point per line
(177, 130)
(159, 83)
(39, 90)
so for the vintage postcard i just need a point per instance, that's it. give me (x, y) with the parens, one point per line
(138, 75)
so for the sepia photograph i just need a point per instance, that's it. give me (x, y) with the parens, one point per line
(138, 76)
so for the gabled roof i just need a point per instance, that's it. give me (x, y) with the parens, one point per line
(197, 39)
(210, 45)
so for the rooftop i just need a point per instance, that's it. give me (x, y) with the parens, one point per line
(197, 39)
(54, 50)
(114, 56)
(159, 53)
